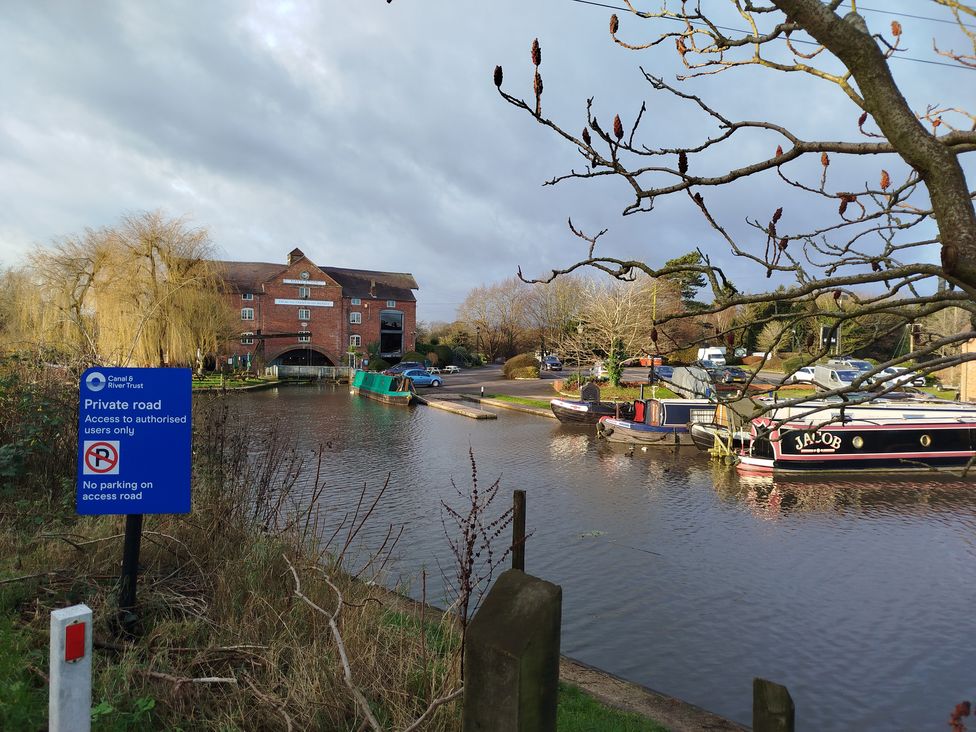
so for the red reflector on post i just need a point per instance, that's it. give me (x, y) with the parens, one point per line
(74, 642)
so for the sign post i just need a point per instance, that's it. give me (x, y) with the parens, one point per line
(134, 442)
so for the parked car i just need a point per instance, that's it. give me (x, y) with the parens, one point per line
(708, 364)
(731, 375)
(803, 375)
(659, 374)
(452, 369)
(896, 376)
(551, 363)
(403, 366)
(420, 377)
(850, 363)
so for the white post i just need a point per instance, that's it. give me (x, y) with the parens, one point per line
(69, 705)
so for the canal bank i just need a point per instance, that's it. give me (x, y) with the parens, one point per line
(612, 691)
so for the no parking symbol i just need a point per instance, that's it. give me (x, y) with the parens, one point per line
(101, 457)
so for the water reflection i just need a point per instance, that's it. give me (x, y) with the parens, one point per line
(676, 572)
(768, 496)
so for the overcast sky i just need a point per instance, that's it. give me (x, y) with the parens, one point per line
(370, 134)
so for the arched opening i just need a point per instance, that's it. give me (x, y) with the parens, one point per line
(301, 357)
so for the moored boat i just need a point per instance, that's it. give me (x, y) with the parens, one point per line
(389, 389)
(888, 435)
(588, 412)
(659, 422)
(726, 430)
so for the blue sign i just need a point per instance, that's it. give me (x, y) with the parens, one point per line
(134, 437)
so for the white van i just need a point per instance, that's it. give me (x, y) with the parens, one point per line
(715, 354)
(828, 377)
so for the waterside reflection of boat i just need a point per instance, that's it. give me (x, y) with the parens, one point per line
(875, 494)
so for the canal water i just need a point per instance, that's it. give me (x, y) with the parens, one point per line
(856, 593)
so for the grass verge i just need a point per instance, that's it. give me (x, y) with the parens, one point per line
(579, 712)
(525, 401)
(215, 381)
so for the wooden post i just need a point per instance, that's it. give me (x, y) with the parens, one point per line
(518, 530)
(772, 707)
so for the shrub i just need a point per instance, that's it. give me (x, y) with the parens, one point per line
(684, 356)
(445, 355)
(413, 356)
(572, 381)
(523, 360)
(525, 372)
(463, 357)
(378, 364)
(793, 363)
(38, 408)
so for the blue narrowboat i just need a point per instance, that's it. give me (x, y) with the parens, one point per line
(660, 422)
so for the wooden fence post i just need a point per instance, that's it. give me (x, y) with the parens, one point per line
(772, 707)
(518, 530)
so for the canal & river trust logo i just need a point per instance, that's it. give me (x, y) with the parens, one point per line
(95, 381)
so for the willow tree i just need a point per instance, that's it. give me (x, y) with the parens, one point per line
(830, 234)
(142, 293)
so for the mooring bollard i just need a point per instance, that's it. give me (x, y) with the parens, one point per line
(511, 657)
(772, 707)
(69, 704)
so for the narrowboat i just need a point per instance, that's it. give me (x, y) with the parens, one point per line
(726, 431)
(588, 412)
(889, 435)
(386, 388)
(660, 422)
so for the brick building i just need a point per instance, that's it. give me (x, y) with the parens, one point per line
(302, 313)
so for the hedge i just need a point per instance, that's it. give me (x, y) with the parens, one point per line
(523, 360)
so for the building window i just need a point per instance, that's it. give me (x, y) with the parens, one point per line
(247, 339)
(355, 317)
(247, 296)
(355, 340)
(357, 301)
(391, 333)
(391, 303)
(304, 337)
(304, 313)
(247, 313)
(304, 292)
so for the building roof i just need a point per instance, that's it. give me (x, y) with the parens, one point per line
(248, 276)
(366, 283)
(363, 283)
